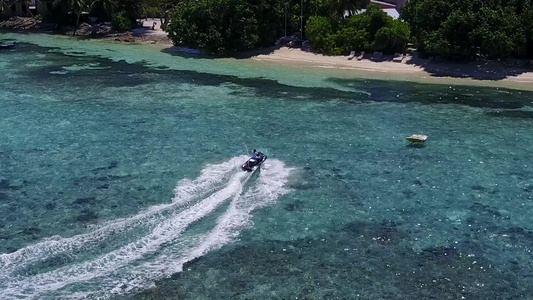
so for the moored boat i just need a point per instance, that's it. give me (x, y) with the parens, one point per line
(417, 138)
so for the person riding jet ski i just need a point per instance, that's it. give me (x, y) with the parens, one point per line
(255, 161)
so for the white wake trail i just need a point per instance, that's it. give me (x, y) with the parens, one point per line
(164, 232)
(269, 187)
(166, 246)
(186, 191)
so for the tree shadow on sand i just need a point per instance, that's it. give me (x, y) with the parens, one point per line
(193, 53)
(479, 70)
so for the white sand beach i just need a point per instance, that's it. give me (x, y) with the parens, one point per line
(493, 74)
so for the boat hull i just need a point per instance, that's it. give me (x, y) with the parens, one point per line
(252, 164)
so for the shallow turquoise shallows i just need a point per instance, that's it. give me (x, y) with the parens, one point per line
(120, 179)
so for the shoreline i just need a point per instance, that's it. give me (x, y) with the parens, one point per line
(411, 69)
(488, 74)
(96, 31)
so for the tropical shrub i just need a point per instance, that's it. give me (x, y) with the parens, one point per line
(121, 22)
(467, 29)
(225, 26)
(374, 19)
(131, 9)
(151, 12)
(371, 30)
(351, 38)
(320, 31)
(393, 38)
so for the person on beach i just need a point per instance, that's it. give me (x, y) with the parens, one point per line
(153, 25)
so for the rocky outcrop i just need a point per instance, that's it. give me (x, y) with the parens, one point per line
(85, 29)
(125, 37)
(128, 37)
(21, 23)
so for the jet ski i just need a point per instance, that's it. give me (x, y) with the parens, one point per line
(254, 163)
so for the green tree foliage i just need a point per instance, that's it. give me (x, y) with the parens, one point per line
(340, 7)
(392, 38)
(76, 7)
(3, 6)
(132, 9)
(165, 8)
(526, 18)
(320, 30)
(121, 22)
(373, 19)
(466, 29)
(68, 12)
(350, 38)
(104, 9)
(371, 30)
(226, 26)
(323, 8)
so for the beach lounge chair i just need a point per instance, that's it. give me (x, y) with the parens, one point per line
(398, 57)
(361, 55)
(352, 55)
(377, 56)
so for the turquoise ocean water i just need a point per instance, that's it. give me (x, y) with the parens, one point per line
(119, 179)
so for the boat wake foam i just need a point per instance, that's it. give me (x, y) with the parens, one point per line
(154, 244)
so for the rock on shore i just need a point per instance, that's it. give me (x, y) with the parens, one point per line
(21, 23)
(85, 29)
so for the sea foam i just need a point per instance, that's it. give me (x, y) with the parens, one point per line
(164, 247)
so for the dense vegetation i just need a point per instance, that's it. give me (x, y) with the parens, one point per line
(467, 29)
(371, 30)
(454, 29)
(124, 13)
(69, 12)
(226, 26)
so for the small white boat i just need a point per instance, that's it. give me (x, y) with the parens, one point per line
(417, 138)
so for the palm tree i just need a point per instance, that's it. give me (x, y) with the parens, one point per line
(165, 9)
(3, 6)
(108, 5)
(339, 7)
(74, 6)
(26, 4)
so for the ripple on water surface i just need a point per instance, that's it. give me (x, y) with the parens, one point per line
(92, 147)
